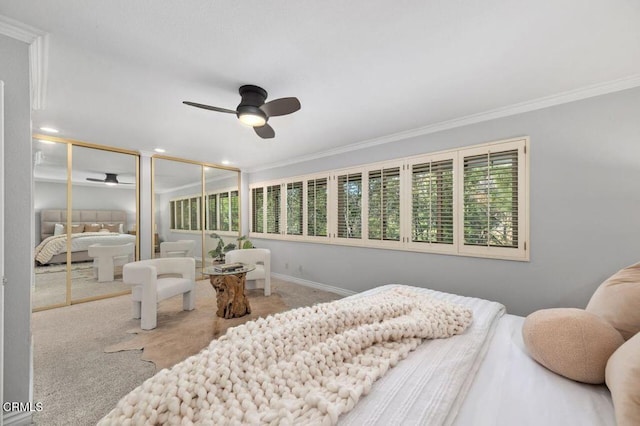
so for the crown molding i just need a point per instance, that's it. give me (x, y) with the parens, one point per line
(38, 56)
(585, 92)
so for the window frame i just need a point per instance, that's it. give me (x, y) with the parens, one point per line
(405, 164)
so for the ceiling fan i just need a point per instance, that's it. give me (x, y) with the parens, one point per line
(253, 110)
(110, 179)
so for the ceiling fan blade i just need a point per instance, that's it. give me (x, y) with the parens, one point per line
(265, 132)
(209, 107)
(282, 106)
(95, 180)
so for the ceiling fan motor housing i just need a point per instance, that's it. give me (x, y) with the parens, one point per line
(253, 98)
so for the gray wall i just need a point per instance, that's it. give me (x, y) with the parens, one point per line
(18, 226)
(585, 211)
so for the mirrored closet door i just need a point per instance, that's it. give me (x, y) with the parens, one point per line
(195, 205)
(86, 208)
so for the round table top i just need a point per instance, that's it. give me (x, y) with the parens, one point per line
(209, 270)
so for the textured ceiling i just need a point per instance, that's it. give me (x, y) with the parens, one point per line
(118, 70)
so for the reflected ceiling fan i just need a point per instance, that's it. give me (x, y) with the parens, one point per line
(253, 110)
(110, 179)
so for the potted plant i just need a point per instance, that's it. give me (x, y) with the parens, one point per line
(221, 249)
(244, 243)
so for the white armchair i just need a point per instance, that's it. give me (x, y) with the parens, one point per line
(259, 257)
(180, 248)
(150, 287)
(106, 258)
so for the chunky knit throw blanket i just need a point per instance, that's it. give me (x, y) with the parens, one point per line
(304, 366)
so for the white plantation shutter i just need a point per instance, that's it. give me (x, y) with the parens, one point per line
(350, 205)
(172, 208)
(294, 208)
(273, 209)
(317, 199)
(223, 211)
(212, 212)
(194, 208)
(469, 201)
(235, 213)
(257, 209)
(491, 199)
(432, 202)
(384, 204)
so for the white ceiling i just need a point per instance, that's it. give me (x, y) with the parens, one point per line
(119, 70)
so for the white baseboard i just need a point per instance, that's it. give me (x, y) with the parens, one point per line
(17, 418)
(313, 284)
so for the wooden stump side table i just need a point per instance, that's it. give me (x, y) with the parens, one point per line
(230, 291)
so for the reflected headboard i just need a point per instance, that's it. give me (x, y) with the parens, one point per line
(48, 218)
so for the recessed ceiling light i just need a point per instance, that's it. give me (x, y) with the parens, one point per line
(226, 162)
(160, 150)
(46, 141)
(49, 129)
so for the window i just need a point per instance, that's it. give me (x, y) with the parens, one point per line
(223, 211)
(294, 208)
(235, 216)
(432, 202)
(257, 210)
(212, 212)
(350, 206)
(273, 209)
(185, 213)
(172, 211)
(317, 197)
(470, 201)
(384, 204)
(194, 207)
(494, 205)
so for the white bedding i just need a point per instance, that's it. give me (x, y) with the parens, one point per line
(414, 391)
(510, 388)
(57, 244)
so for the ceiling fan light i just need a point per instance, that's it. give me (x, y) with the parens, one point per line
(110, 183)
(253, 120)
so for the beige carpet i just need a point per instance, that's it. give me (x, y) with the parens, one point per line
(79, 383)
(51, 284)
(180, 334)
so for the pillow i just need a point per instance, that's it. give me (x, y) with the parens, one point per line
(112, 227)
(94, 227)
(58, 229)
(571, 342)
(77, 229)
(623, 380)
(617, 300)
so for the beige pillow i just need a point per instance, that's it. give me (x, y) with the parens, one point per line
(112, 227)
(623, 380)
(94, 227)
(571, 342)
(617, 300)
(77, 229)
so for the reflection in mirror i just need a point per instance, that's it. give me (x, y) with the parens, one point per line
(178, 205)
(183, 211)
(223, 214)
(103, 212)
(50, 193)
(104, 221)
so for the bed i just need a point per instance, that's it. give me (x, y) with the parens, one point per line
(482, 376)
(107, 227)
